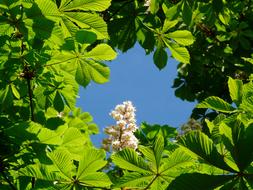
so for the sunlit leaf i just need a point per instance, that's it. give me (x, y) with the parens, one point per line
(217, 104)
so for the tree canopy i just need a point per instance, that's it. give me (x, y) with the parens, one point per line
(49, 48)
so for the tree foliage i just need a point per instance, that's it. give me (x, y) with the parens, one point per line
(48, 48)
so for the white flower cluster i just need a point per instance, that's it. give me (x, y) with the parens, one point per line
(121, 135)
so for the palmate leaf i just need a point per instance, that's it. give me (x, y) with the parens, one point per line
(40, 21)
(154, 6)
(168, 25)
(86, 66)
(200, 144)
(217, 104)
(91, 70)
(154, 154)
(92, 5)
(243, 150)
(182, 37)
(72, 19)
(92, 160)
(42, 8)
(63, 162)
(42, 172)
(179, 53)
(34, 132)
(178, 159)
(101, 52)
(129, 160)
(70, 91)
(160, 183)
(160, 58)
(6, 96)
(73, 137)
(122, 30)
(235, 90)
(151, 171)
(45, 13)
(95, 179)
(88, 21)
(6, 29)
(150, 132)
(247, 98)
(47, 136)
(58, 102)
(134, 180)
(197, 181)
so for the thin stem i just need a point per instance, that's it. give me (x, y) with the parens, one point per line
(8, 181)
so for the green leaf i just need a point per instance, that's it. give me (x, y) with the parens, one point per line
(91, 70)
(247, 99)
(151, 131)
(47, 136)
(88, 21)
(79, 14)
(6, 96)
(85, 37)
(58, 102)
(129, 160)
(158, 150)
(40, 22)
(198, 143)
(134, 180)
(197, 181)
(154, 154)
(92, 160)
(40, 171)
(250, 60)
(154, 6)
(95, 179)
(187, 13)
(168, 25)
(63, 162)
(182, 37)
(101, 52)
(73, 137)
(69, 98)
(236, 90)
(92, 5)
(179, 53)
(217, 104)
(172, 12)
(15, 91)
(160, 58)
(243, 150)
(178, 159)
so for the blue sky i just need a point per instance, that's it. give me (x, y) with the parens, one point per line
(134, 77)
